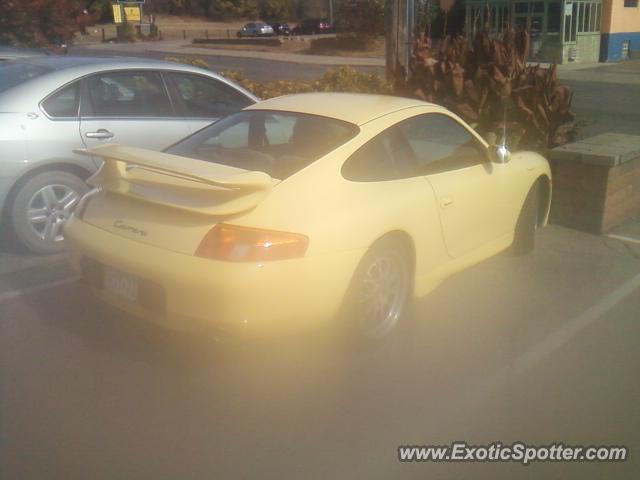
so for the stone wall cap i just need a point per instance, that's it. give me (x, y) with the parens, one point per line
(607, 149)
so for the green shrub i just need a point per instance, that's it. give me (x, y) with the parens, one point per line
(126, 32)
(342, 42)
(343, 79)
(194, 62)
(153, 31)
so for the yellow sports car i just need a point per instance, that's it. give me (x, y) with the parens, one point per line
(303, 210)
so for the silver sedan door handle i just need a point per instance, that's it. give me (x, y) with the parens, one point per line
(100, 134)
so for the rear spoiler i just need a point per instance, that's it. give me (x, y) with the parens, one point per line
(211, 188)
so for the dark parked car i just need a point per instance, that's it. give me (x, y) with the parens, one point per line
(281, 29)
(313, 26)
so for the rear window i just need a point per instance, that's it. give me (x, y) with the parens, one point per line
(277, 143)
(15, 73)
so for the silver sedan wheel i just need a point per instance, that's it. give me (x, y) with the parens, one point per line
(383, 293)
(49, 208)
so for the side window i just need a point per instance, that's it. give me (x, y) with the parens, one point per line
(440, 144)
(372, 162)
(206, 97)
(129, 94)
(64, 103)
(423, 145)
(388, 156)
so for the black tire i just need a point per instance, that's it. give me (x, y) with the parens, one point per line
(357, 314)
(527, 225)
(40, 208)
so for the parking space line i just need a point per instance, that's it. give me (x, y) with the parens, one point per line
(574, 326)
(12, 294)
(554, 341)
(623, 238)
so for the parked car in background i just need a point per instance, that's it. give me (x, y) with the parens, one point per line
(255, 29)
(52, 105)
(281, 29)
(313, 26)
(356, 203)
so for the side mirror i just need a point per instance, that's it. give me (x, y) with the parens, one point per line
(499, 154)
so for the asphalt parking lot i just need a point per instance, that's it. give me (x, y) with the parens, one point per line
(541, 349)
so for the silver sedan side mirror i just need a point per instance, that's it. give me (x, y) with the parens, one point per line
(499, 154)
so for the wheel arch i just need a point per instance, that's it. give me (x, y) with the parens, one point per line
(544, 207)
(403, 238)
(58, 166)
(405, 241)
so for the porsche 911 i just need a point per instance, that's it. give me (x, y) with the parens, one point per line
(303, 211)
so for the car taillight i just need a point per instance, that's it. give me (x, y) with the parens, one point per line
(243, 244)
(84, 202)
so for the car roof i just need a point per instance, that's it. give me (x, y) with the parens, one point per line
(67, 68)
(357, 108)
(65, 62)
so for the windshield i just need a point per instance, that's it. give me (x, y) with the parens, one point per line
(15, 73)
(277, 143)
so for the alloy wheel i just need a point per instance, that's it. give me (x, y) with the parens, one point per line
(382, 294)
(49, 208)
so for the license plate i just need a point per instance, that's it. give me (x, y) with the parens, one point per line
(121, 284)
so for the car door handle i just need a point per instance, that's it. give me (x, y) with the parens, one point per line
(446, 202)
(102, 133)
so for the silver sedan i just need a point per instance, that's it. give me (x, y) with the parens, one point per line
(256, 29)
(50, 106)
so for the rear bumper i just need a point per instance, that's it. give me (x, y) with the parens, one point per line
(192, 292)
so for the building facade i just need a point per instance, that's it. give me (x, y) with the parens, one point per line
(620, 30)
(561, 31)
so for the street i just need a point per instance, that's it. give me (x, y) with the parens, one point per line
(538, 349)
